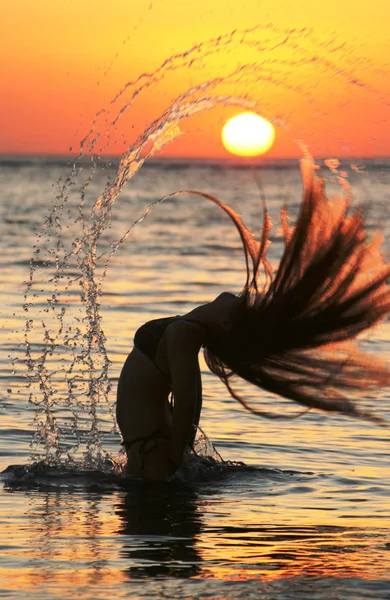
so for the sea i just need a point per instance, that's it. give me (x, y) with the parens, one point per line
(275, 510)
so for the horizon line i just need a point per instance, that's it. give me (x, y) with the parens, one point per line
(249, 160)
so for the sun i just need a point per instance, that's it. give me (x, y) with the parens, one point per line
(248, 134)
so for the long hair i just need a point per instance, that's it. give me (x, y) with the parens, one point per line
(292, 335)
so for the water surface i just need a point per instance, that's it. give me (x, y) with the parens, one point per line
(307, 517)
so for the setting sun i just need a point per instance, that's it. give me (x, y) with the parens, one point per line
(248, 134)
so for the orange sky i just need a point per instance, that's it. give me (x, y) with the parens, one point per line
(64, 61)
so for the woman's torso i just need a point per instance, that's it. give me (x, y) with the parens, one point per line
(144, 385)
(148, 337)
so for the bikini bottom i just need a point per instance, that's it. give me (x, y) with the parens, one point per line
(143, 441)
(145, 455)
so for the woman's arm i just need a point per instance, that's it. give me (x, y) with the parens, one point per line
(198, 408)
(184, 340)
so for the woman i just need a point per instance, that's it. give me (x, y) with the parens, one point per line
(164, 361)
(292, 337)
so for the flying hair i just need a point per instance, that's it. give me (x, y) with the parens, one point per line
(294, 333)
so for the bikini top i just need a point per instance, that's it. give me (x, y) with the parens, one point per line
(148, 336)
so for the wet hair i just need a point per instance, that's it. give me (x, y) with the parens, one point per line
(292, 332)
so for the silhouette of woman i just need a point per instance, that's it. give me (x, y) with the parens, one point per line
(290, 336)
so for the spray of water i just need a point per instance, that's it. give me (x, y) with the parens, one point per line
(63, 293)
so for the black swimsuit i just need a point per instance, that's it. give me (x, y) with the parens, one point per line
(146, 340)
(148, 336)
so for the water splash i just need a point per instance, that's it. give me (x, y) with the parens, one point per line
(63, 294)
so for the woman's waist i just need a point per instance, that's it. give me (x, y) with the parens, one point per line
(139, 368)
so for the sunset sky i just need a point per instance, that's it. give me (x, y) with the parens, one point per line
(64, 61)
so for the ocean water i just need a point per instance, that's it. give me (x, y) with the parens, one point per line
(299, 508)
